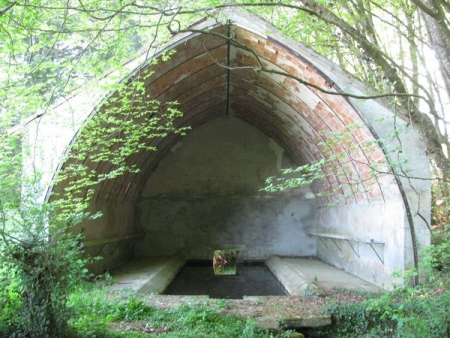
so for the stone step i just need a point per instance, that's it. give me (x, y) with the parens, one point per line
(288, 311)
(147, 274)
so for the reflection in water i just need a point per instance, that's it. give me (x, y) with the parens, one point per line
(225, 262)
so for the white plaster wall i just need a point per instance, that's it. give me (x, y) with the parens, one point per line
(387, 217)
(380, 222)
(205, 195)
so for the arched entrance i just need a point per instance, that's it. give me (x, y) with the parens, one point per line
(200, 191)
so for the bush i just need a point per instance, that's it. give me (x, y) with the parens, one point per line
(40, 263)
(437, 257)
(405, 312)
(9, 300)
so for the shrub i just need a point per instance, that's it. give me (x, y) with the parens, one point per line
(40, 263)
(405, 312)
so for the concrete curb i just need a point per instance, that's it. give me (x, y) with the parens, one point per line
(294, 282)
(161, 278)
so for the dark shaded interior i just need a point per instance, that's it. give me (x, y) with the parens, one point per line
(197, 278)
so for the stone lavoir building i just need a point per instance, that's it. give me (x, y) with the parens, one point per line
(202, 192)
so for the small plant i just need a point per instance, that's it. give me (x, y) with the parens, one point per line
(133, 309)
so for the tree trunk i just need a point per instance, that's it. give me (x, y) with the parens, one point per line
(419, 120)
(434, 14)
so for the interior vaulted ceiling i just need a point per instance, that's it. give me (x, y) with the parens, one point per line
(210, 76)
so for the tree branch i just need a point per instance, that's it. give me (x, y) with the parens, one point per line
(7, 8)
(426, 9)
(261, 68)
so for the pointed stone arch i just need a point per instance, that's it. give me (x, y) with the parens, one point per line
(368, 225)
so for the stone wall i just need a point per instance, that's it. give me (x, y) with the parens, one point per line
(205, 195)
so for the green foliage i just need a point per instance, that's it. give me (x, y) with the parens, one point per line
(291, 178)
(336, 173)
(133, 309)
(420, 311)
(39, 260)
(353, 320)
(46, 53)
(9, 299)
(37, 273)
(406, 312)
(437, 257)
(95, 311)
(126, 124)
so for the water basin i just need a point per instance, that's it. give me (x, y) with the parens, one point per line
(198, 278)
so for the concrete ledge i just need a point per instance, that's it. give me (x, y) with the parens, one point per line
(294, 282)
(149, 274)
(328, 277)
(164, 276)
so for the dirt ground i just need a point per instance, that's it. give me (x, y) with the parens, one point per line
(268, 310)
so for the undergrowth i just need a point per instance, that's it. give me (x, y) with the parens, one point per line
(96, 311)
(406, 312)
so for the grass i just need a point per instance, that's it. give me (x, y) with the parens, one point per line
(97, 313)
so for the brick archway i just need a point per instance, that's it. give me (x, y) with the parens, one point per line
(367, 231)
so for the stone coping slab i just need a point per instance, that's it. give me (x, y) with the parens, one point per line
(292, 279)
(292, 312)
(309, 276)
(147, 274)
(328, 277)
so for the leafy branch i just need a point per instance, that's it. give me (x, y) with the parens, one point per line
(297, 177)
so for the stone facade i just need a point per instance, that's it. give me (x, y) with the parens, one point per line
(197, 193)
